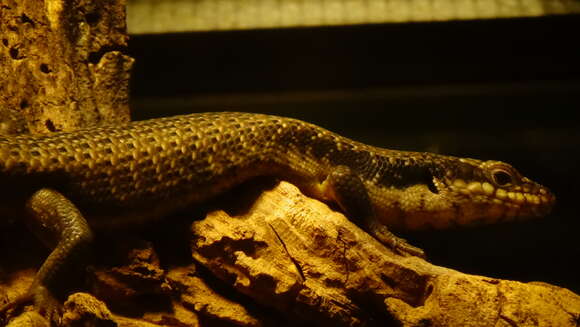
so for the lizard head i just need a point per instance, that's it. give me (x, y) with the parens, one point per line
(490, 191)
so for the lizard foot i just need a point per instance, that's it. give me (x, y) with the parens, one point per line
(13, 306)
(44, 302)
(399, 245)
(47, 304)
(402, 247)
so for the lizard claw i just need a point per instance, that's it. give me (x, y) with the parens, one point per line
(402, 247)
(47, 304)
(17, 304)
(44, 302)
(399, 245)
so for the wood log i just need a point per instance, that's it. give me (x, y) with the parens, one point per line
(280, 256)
(63, 64)
(299, 257)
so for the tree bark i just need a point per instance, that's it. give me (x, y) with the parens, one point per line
(297, 256)
(271, 256)
(62, 63)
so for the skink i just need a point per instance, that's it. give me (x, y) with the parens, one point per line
(120, 176)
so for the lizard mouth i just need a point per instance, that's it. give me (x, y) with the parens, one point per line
(528, 200)
(536, 202)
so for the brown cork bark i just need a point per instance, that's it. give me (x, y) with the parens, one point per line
(62, 63)
(270, 256)
(297, 256)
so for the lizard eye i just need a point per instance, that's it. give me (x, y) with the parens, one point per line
(501, 177)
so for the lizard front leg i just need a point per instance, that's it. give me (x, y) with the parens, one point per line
(59, 224)
(347, 189)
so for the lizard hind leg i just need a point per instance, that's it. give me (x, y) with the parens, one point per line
(14, 304)
(346, 188)
(56, 221)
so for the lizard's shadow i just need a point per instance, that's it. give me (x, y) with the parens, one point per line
(240, 199)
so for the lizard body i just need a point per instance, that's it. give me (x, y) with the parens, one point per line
(118, 176)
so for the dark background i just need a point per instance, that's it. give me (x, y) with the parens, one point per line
(497, 89)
